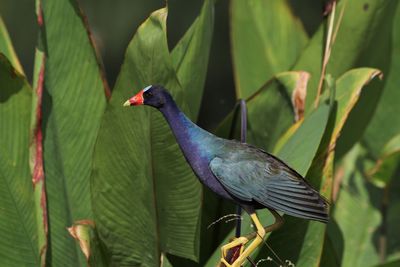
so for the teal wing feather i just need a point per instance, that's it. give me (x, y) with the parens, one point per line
(251, 174)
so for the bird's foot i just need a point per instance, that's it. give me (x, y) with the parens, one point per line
(237, 245)
(240, 241)
(226, 264)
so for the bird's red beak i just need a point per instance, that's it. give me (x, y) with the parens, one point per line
(135, 100)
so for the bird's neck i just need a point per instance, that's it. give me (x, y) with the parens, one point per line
(193, 140)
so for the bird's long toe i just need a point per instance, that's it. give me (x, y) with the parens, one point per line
(236, 242)
(224, 262)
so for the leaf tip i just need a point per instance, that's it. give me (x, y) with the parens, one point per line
(79, 231)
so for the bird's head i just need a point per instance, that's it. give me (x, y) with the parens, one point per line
(153, 95)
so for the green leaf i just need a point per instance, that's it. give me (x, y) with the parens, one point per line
(389, 205)
(385, 123)
(266, 40)
(356, 245)
(190, 57)
(152, 204)
(270, 110)
(7, 48)
(389, 264)
(73, 103)
(295, 82)
(376, 54)
(18, 237)
(301, 148)
(36, 156)
(348, 91)
(165, 262)
(362, 23)
(84, 233)
(382, 173)
(36, 146)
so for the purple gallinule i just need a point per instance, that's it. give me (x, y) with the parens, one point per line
(238, 172)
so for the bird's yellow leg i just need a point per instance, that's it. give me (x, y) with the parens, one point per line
(236, 242)
(270, 228)
(278, 223)
(257, 241)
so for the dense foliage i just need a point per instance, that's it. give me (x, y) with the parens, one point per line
(85, 181)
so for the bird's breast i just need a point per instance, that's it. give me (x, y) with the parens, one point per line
(199, 161)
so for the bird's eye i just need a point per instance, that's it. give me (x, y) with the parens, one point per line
(147, 94)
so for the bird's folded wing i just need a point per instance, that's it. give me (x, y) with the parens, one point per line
(270, 183)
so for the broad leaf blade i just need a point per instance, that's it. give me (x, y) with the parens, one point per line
(382, 172)
(362, 22)
(386, 114)
(389, 264)
(7, 48)
(347, 92)
(295, 83)
(84, 233)
(305, 141)
(354, 244)
(270, 111)
(266, 40)
(190, 57)
(377, 54)
(151, 205)
(18, 237)
(73, 103)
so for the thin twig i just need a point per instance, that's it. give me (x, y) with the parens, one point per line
(327, 53)
(339, 21)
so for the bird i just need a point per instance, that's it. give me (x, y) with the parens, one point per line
(239, 172)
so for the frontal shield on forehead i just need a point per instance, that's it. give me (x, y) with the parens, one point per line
(147, 88)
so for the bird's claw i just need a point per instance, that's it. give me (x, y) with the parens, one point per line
(226, 264)
(240, 241)
(236, 242)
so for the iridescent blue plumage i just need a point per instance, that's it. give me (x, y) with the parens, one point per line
(236, 171)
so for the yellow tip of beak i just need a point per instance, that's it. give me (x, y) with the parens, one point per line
(127, 103)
